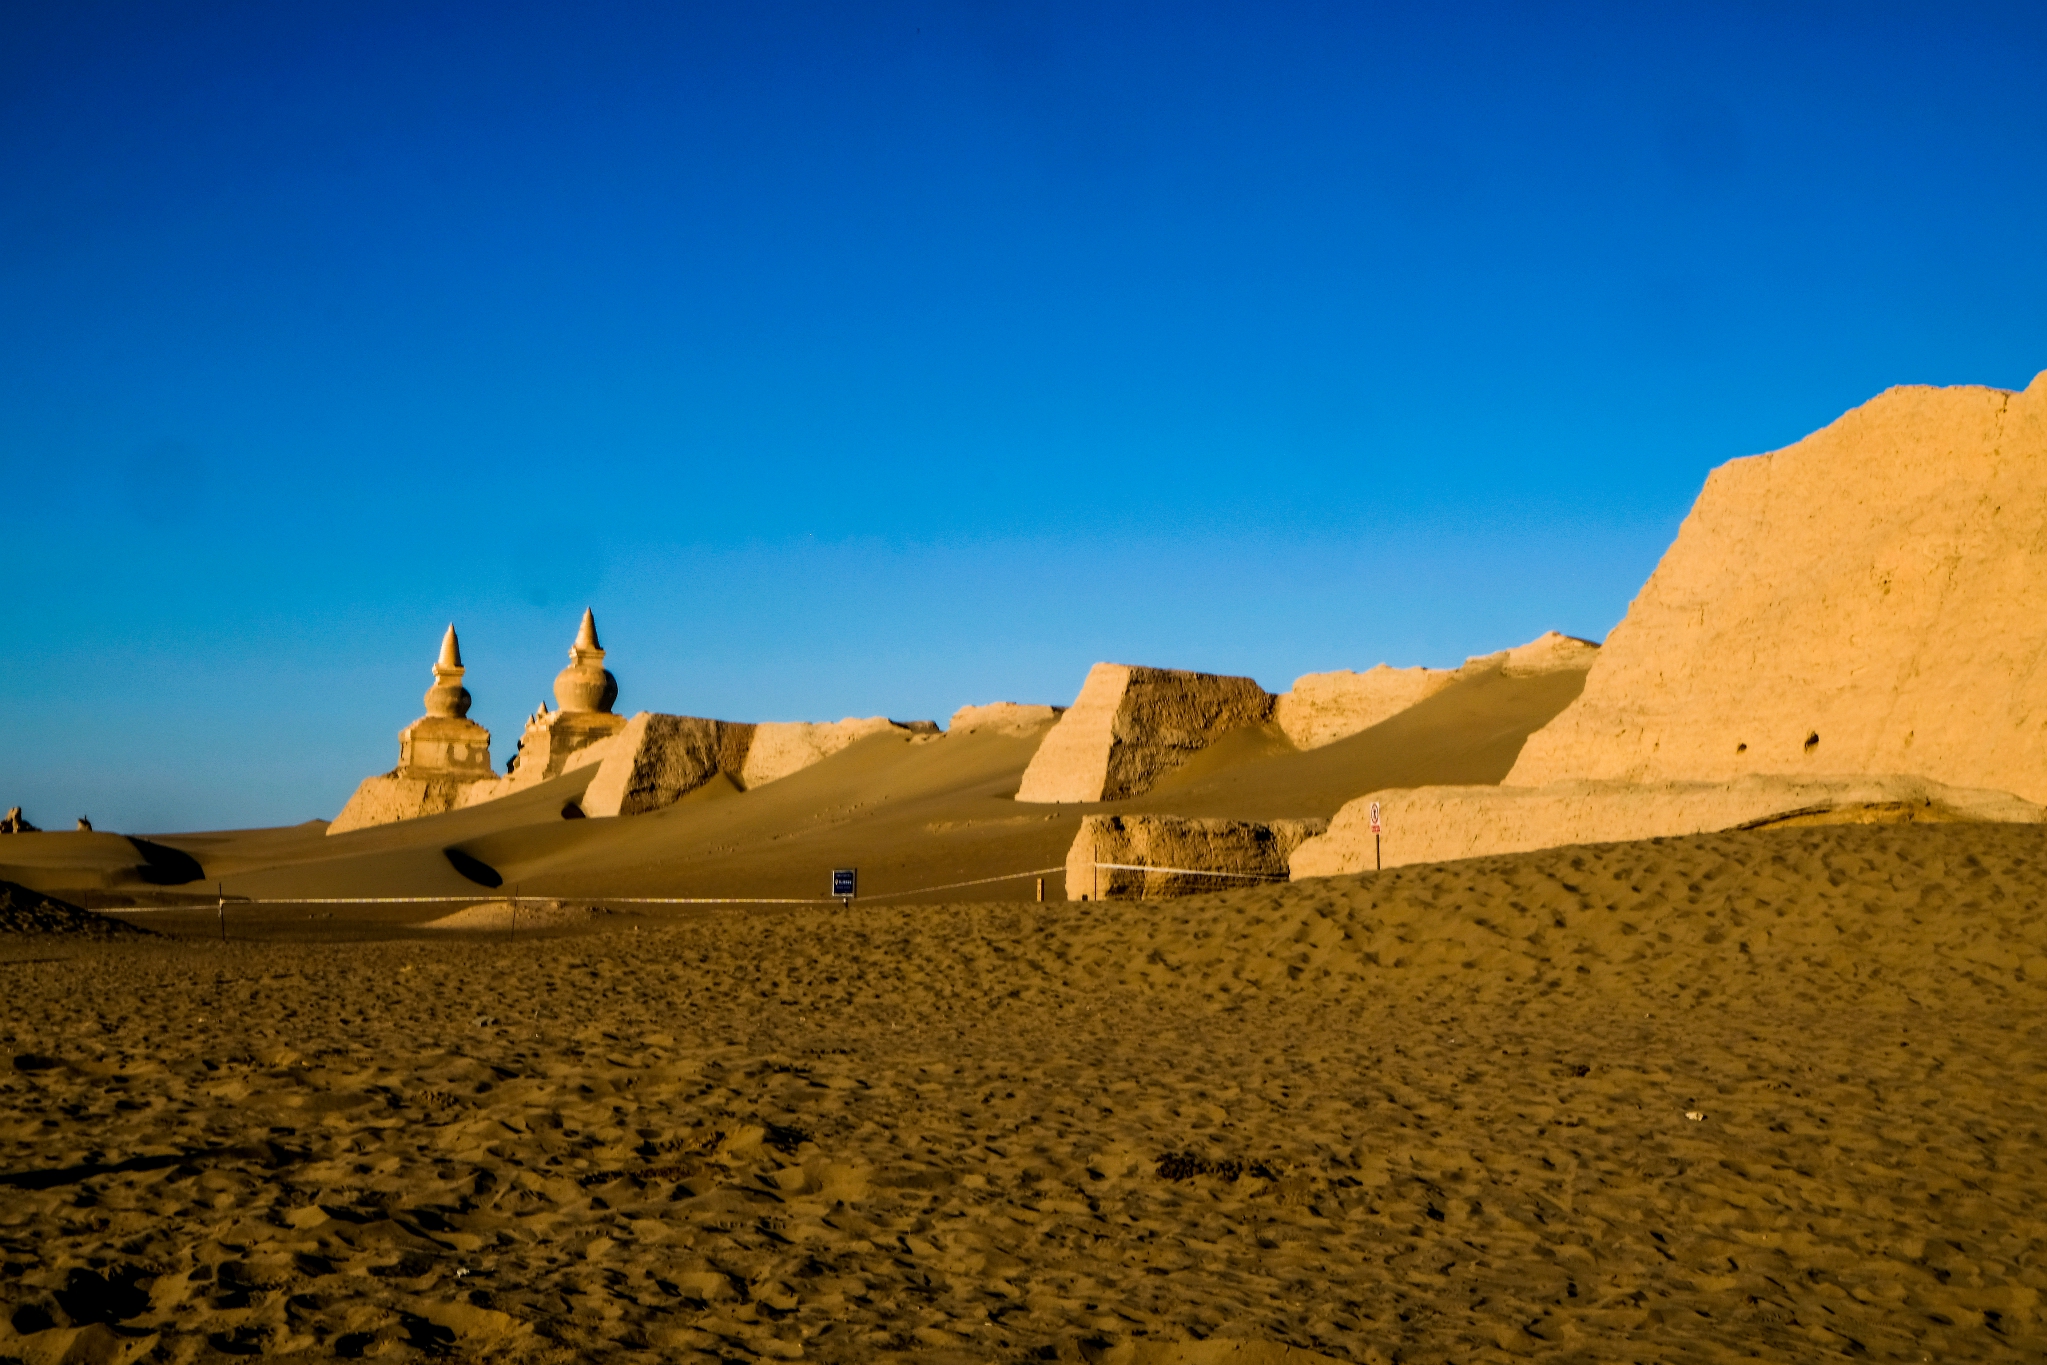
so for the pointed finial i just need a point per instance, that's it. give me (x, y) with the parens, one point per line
(586, 634)
(451, 649)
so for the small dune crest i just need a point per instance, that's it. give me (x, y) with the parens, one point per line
(524, 914)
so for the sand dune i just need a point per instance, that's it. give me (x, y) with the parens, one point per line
(1762, 1095)
(512, 917)
(911, 811)
(89, 859)
(1322, 708)
(1467, 733)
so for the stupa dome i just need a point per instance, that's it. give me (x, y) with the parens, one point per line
(448, 697)
(585, 685)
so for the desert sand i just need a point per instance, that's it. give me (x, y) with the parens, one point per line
(1769, 1094)
(1322, 708)
(911, 810)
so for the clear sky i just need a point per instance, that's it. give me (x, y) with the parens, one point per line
(860, 359)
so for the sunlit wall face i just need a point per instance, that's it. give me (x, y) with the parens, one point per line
(881, 359)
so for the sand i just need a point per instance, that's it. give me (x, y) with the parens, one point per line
(911, 811)
(511, 917)
(1322, 708)
(1442, 1113)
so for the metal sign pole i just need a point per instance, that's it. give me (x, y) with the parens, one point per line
(1378, 863)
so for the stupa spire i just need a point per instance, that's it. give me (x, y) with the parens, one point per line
(451, 649)
(586, 634)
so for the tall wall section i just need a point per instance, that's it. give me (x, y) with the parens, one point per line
(1131, 725)
(1872, 599)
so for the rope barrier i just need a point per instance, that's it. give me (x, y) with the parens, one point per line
(695, 900)
(979, 881)
(301, 900)
(484, 895)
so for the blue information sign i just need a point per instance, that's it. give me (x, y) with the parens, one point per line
(844, 882)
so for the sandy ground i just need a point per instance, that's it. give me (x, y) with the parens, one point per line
(911, 812)
(507, 917)
(1769, 1095)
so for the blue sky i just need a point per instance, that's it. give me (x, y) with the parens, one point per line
(879, 359)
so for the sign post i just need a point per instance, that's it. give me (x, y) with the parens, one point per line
(845, 884)
(1378, 865)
